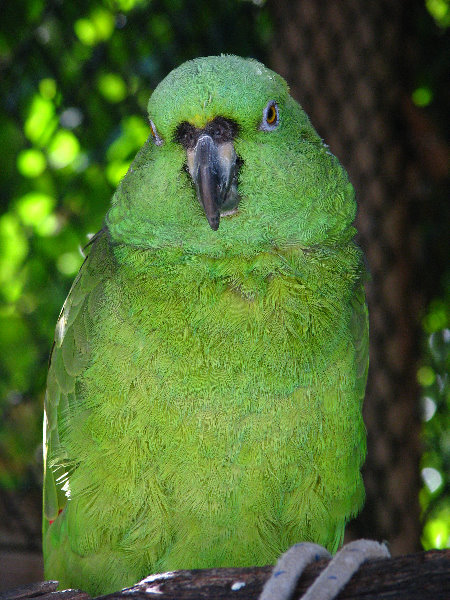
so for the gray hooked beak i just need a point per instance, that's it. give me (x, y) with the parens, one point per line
(213, 169)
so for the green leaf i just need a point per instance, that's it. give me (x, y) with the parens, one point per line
(64, 149)
(31, 163)
(41, 120)
(13, 250)
(112, 87)
(34, 207)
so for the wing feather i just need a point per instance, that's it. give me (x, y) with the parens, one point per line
(68, 360)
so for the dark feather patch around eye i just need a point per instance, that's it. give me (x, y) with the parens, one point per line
(186, 135)
(220, 129)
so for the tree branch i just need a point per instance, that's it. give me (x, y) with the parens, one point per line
(421, 576)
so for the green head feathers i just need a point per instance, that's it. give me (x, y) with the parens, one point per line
(201, 89)
(271, 168)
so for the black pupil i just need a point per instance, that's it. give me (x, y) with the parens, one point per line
(271, 116)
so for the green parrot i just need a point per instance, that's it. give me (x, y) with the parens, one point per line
(203, 404)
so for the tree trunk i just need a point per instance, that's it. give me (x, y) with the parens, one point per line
(347, 65)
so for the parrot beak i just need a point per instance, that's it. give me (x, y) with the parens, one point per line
(213, 168)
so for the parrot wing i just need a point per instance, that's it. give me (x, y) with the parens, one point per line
(68, 359)
(359, 327)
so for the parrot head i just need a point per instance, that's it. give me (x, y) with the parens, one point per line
(232, 166)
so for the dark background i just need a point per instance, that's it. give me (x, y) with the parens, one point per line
(75, 78)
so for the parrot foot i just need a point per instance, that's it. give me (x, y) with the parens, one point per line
(341, 568)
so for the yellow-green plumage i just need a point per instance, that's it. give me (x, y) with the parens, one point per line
(204, 396)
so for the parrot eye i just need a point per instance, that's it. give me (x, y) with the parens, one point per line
(155, 135)
(271, 116)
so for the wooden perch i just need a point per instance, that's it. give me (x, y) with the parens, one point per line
(422, 576)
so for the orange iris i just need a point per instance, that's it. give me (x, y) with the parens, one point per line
(271, 115)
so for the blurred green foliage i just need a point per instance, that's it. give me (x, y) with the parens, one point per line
(440, 11)
(75, 78)
(433, 376)
(431, 95)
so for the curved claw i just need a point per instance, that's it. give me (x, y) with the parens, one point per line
(340, 569)
(290, 566)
